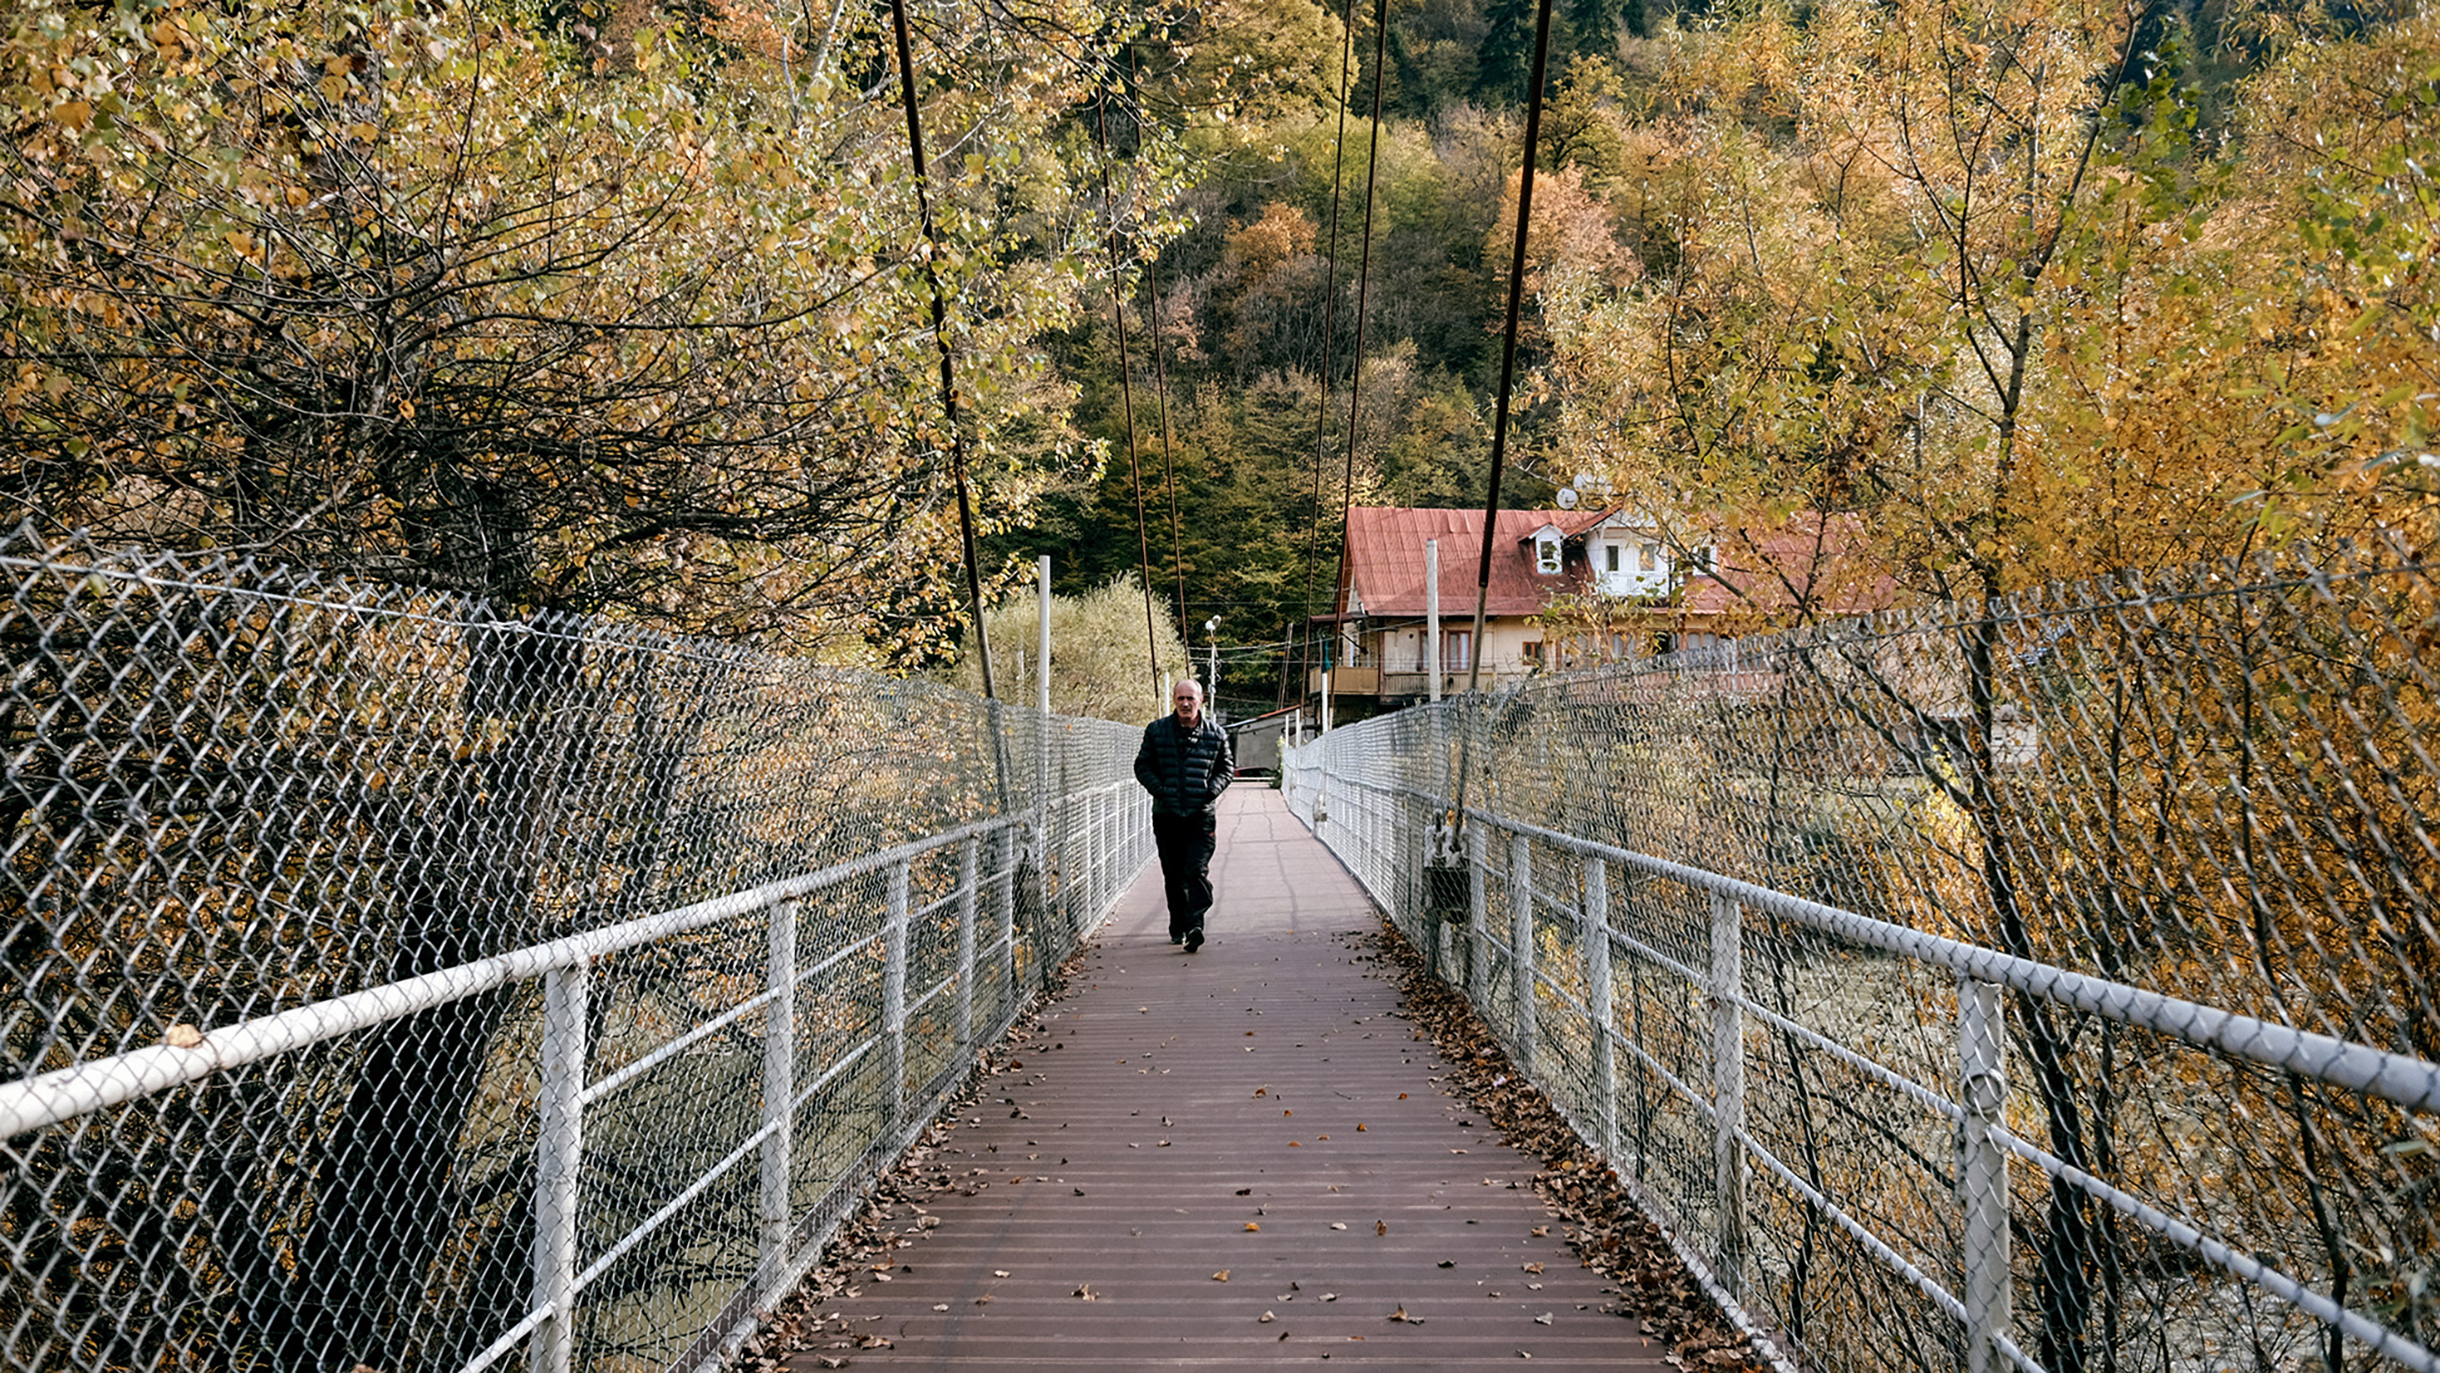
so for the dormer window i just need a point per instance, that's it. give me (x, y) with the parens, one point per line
(1546, 553)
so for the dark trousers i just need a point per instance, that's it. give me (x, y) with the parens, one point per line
(1185, 843)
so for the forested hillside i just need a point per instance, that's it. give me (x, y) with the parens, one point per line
(2036, 289)
(622, 309)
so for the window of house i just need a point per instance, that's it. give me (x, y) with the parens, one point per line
(1610, 554)
(1456, 655)
(1546, 556)
(1652, 557)
(1533, 652)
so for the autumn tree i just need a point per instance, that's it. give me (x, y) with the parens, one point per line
(628, 319)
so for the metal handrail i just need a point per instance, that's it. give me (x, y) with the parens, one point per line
(2400, 1079)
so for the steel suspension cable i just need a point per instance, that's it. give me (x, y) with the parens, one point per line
(940, 340)
(1355, 382)
(1303, 636)
(1126, 392)
(1508, 365)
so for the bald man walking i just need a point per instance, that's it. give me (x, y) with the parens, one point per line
(1185, 763)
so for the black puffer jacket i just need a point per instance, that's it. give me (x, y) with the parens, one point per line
(1184, 770)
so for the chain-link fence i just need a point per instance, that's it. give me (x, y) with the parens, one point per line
(2053, 984)
(396, 987)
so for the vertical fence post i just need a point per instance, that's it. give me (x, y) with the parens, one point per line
(894, 993)
(1004, 887)
(1091, 886)
(1043, 847)
(559, 1157)
(1321, 788)
(779, 1091)
(1061, 840)
(1520, 952)
(1478, 915)
(1728, 1086)
(1982, 1173)
(968, 874)
(1594, 930)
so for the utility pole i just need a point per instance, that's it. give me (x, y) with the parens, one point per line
(1431, 614)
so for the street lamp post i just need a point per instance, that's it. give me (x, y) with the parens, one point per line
(1211, 676)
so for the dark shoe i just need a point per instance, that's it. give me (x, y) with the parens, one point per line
(1194, 939)
(1177, 939)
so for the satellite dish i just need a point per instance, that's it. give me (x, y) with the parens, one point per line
(1567, 498)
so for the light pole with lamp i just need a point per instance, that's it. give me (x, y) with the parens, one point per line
(1211, 676)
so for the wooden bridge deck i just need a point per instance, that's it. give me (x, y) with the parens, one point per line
(1240, 1157)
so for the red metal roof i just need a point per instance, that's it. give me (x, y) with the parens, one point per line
(1385, 559)
(1753, 571)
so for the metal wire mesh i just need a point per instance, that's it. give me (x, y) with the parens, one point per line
(397, 986)
(2049, 983)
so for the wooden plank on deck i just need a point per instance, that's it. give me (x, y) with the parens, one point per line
(1258, 1108)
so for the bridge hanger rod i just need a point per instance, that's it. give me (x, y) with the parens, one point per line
(1126, 391)
(1160, 368)
(1303, 637)
(940, 340)
(1355, 382)
(1508, 367)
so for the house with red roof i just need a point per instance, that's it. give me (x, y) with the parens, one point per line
(1568, 589)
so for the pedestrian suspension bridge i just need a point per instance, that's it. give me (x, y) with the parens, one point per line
(394, 987)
